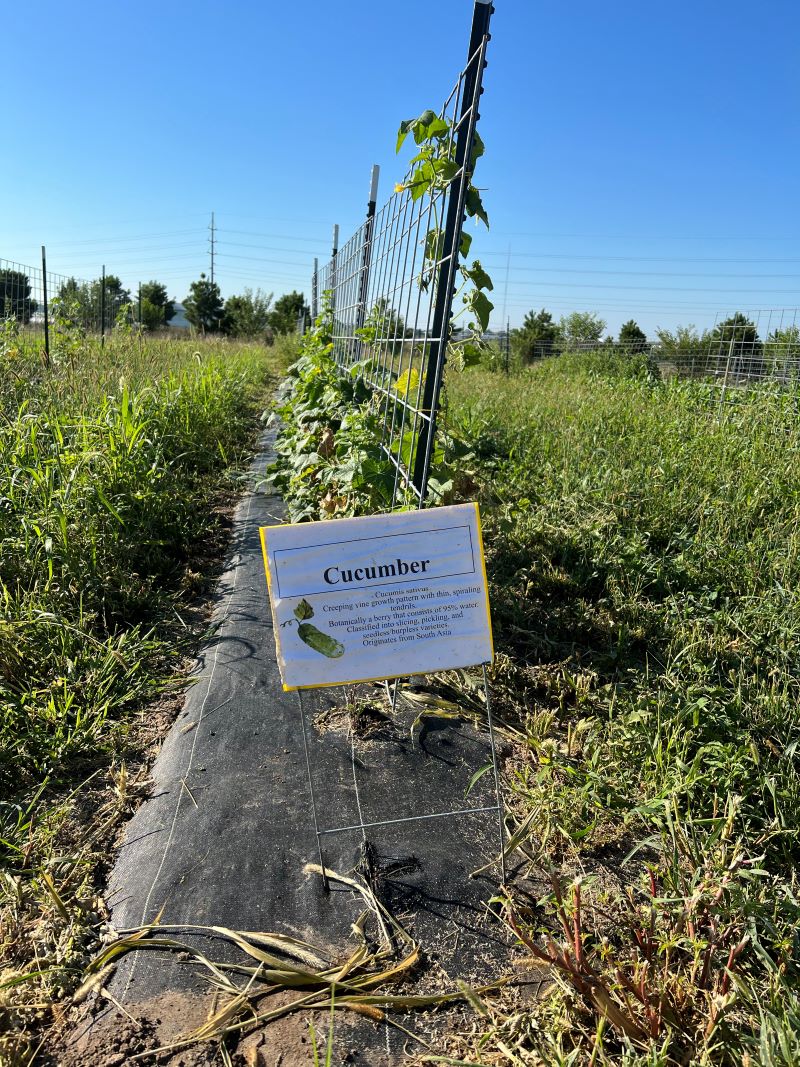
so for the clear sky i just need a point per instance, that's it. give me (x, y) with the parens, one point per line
(643, 160)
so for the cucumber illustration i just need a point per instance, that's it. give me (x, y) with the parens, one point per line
(320, 642)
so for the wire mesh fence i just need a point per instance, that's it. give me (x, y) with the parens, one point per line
(741, 350)
(389, 288)
(39, 301)
(21, 293)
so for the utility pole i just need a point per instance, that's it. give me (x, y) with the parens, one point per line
(213, 245)
(505, 289)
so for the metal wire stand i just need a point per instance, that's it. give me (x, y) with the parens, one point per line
(362, 826)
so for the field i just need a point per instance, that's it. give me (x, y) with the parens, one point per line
(643, 555)
(118, 468)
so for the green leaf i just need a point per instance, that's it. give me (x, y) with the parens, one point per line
(474, 206)
(466, 243)
(445, 170)
(478, 276)
(481, 306)
(434, 246)
(437, 489)
(407, 382)
(428, 125)
(303, 611)
(419, 188)
(478, 148)
(425, 153)
(477, 777)
(109, 506)
(420, 180)
(402, 133)
(439, 129)
(471, 354)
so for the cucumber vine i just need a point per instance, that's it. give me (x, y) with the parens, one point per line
(330, 462)
(433, 169)
(330, 459)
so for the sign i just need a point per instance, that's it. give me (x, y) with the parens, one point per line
(383, 596)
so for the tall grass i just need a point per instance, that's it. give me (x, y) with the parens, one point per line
(112, 462)
(645, 560)
(101, 472)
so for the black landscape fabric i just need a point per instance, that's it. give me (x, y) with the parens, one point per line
(227, 831)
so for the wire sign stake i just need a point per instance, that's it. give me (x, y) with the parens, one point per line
(380, 597)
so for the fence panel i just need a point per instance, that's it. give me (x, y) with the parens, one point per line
(36, 298)
(742, 350)
(390, 286)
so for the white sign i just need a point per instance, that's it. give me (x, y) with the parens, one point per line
(383, 596)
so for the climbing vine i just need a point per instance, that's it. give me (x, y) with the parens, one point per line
(330, 461)
(432, 170)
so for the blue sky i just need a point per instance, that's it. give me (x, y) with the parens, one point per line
(642, 160)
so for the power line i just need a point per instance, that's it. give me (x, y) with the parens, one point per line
(651, 237)
(667, 288)
(268, 248)
(640, 259)
(260, 259)
(646, 273)
(104, 242)
(277, 236)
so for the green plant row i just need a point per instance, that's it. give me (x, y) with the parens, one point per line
(331, 460)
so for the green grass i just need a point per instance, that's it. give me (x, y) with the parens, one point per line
(117, 465)
(644, 557)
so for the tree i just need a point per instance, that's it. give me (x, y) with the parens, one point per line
(783, 350)
(632, 336)
(203, 306)
(581, 328)
(248, 315)
(685, 340)
(116, 296)
(686, 349)
(537, 337)
(738, 331)
(287, 312)
(81, 302)
(736, 339)
(16, 301)
(151, 316)
(73, 306)
(789, 335)
(160, 309)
